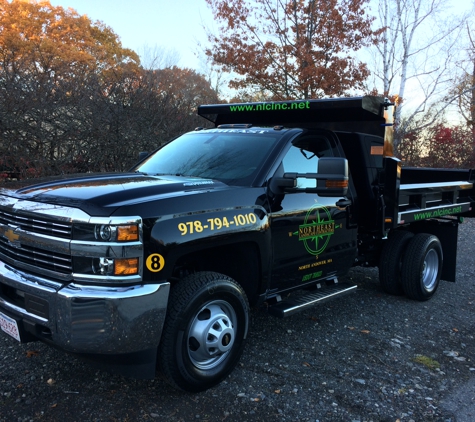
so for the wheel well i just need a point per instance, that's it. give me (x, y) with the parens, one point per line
(240, 261)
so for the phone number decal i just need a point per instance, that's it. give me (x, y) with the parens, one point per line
(217, 223)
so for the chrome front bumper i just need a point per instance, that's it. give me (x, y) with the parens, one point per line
(85, 319)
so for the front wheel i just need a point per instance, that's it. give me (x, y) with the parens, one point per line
(205, 331)
(422, 267)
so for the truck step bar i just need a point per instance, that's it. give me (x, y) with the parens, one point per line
(296, 304)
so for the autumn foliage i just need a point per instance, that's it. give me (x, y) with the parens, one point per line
(292, 49)
(439, 147)
(72, 99)
(43, 40)
(451, 147)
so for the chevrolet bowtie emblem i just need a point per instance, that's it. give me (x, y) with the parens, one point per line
(11, 235)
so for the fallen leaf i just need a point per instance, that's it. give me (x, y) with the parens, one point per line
(30, 353)
(307, 364)
(365, 331)
(277, 391)
(454, 329)
(54, 405)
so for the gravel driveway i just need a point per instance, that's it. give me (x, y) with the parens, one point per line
(365, 357)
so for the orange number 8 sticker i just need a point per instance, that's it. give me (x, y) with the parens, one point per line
(155, 262)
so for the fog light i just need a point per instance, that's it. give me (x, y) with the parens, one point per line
(103, 266)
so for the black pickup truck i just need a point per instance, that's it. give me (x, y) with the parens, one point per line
(157, 267)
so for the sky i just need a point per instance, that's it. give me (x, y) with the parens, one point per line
(173, 25)
(176, 26)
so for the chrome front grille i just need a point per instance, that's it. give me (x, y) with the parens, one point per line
(36, 257)
(35, 241)
(35, 225)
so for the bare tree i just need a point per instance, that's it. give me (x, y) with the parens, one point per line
(464, 90)
(158, 57)
(416, 53)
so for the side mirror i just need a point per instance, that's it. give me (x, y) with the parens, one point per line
(331, 179)
(332, 176)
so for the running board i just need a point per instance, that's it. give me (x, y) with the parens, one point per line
(293, 305)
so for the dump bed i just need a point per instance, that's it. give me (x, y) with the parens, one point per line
(387, 195)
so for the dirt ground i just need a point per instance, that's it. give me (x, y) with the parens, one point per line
(366, 357)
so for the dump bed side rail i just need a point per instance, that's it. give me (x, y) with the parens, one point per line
(416, 194)
(420, 201)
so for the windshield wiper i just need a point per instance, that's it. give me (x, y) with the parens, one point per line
(169, 174)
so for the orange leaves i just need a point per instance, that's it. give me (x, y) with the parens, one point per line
(292, 49)
(77, 101)
(187, 87)
(40, 37)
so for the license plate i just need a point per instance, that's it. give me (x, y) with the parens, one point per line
(9, 326)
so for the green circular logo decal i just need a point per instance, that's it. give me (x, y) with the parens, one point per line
(317, 229)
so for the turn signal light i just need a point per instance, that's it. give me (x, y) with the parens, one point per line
(336, 184)
(127, 233)
(127, 266)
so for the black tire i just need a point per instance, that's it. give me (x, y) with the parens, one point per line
(390, 262)
(205, 331)
(422, 267)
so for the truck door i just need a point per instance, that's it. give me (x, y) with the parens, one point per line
(310, 234)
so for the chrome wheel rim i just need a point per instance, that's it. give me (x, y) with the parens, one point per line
(430, 270)
(211, 335)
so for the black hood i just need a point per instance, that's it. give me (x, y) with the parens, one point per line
(106, 190)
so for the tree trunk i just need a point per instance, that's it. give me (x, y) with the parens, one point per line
(472, 112)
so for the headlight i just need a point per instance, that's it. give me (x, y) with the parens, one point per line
(107, 249)
(106, 232)
(103, 232)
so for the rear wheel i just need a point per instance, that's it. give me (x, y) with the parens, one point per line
(390, 263)
(422, 266)
(205, 331)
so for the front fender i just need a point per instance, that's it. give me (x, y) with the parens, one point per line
(178, 235)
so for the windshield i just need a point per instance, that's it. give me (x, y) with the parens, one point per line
(230, 156)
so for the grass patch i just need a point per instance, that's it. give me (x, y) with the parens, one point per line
(427, 362)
